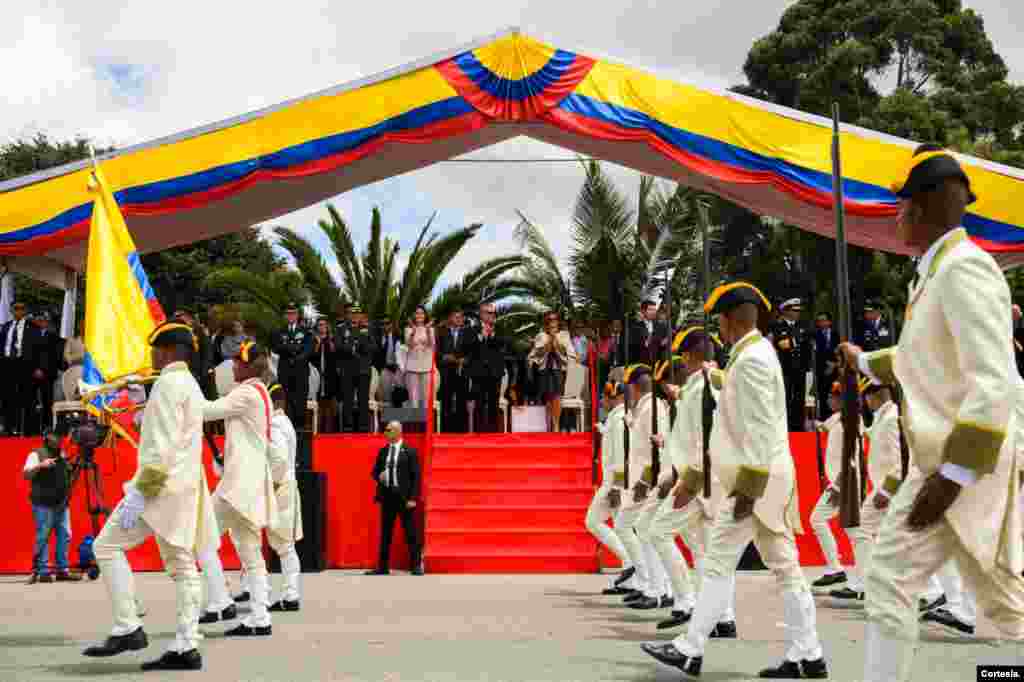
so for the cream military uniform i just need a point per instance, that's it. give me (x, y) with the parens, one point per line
(685, 446)
(637, 515)
(956, 367)
(750, 446)
(824, 511)
(283, 448)
(244, 499)
(600, 510)
(177, 505)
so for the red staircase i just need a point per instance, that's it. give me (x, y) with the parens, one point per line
(509, 503)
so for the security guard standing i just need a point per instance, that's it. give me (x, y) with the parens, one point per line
(294, 347)
(793, 344)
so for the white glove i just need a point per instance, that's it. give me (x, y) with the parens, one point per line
(131, 508)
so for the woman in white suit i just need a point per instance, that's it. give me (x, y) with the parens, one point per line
(419, 357)
(549, 358)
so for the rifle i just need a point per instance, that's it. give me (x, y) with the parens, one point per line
(819, 454)
(625, 425)
(904, 447)
(849, 491)
(708, 406)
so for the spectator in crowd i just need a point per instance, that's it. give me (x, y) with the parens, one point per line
(356, 349)
(580, 341)
(200, 363)
(452, 347)
(617, 345)
(385, 359)
(826, 342)
(18, 383)
(791, 341)
(419, 359)
(325, 359)
(486, 367)
(552, 350)
(294, 348)
(648, 337)
(873, 333)
(49, 473)
(44, 359)
(233, 340)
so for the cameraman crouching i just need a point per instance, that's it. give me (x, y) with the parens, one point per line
(49, 473)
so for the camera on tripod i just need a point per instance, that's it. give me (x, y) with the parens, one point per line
(88, 434)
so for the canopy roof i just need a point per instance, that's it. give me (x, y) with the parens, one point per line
(222, 177)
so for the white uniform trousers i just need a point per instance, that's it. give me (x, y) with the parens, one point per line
(597, 516)
(249, 546)
(659, 583)
(179, 563)
(291, 569)
(820, 517)
(727, 540)
(902, 563)
(626, 519)
(688, 523)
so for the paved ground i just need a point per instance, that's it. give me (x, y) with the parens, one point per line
(441, 629)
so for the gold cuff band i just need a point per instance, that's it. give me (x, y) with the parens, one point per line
(880, 364)
(693, 480)
(619, 479)
(891, 485)
(974, 447)
(751, 482)
(150, 481)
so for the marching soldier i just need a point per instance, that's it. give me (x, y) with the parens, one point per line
(283, 537)
(244, 500)
(167, 497)
(827, 507)
(793, 344)
(954, 362)
(684, 510)
(750, 442)
(638, 499)
(294, 348)
(600, 509)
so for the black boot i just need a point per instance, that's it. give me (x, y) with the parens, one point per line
(790, 670)
(678, 618)
(230, 613)
(174, 660)
(117, 644)
(669, 655)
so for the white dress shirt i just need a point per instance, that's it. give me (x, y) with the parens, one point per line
(391, 464)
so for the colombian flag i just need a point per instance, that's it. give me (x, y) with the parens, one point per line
(120, 306)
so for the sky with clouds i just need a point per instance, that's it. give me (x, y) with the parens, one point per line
(122, 73)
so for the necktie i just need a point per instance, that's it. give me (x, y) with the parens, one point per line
(392, 475)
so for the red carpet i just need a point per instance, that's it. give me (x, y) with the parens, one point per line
(501, 503)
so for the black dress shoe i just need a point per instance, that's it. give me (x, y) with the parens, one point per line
(624, 576)
(946, 618)
(117, 644)
(242, 598)
(791, 670)
(68, 577)
(666, 602)
(284, 605)
(829, 579)
(378, 571)
(416, 571)
(633, 596)
(847, 593)
(244, 630)
(614, 591)
(724, 630)
(230, 613)
(669, 655)
(678, 618)
(923, 605)
(645, 603)
(174, 660)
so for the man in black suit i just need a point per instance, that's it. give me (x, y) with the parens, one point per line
(42, 346)
(791, 342)
(17, 384)
(486, 366)
(385, 360)
(452, 348)
(294, 348)
(874, 332)
(397, 473)
(200, 362)
(648, 337)
(826, 342)
(356, 348)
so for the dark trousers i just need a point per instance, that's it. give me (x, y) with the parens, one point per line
(392, 506)
(486, 414)
(18, 395)
(296, 393)
(355, 397)
(44, 389)
(824, 390)
(454, 390)
(796, 397)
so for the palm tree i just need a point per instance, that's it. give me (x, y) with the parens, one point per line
(266, 297)
(491, 281)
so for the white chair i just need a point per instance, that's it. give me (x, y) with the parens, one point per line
(575, 376)
(375, 405)
(503, 403)
(437, 403)
(312, 404)
(71, 403)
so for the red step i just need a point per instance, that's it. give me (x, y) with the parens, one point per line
(483, 456)
(475, 540)
(535, 476)
(479, 495)
(503, 517)
(532, 562)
